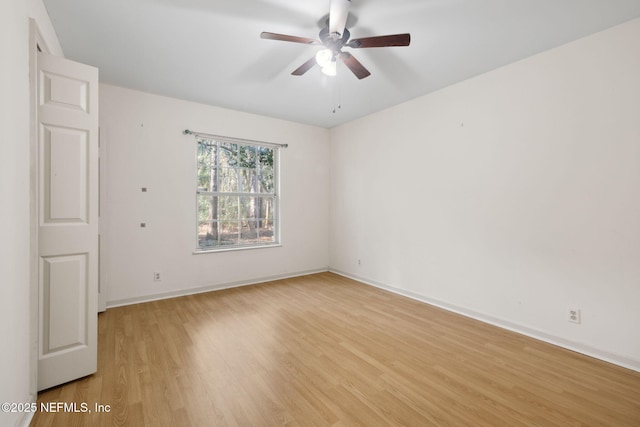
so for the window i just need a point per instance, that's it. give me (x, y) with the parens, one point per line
(237, 198)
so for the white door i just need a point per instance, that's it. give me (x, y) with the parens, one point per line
(67, 220)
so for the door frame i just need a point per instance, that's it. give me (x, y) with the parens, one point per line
(102, 224)
(37, 44)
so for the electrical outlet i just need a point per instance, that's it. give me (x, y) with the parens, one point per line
(573, 315)
(157, 277)
(359, 262)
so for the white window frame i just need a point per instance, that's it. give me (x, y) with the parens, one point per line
(200, 138)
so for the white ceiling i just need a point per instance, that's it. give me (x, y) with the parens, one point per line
(210, 51)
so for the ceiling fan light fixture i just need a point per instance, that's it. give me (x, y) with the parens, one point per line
(330, 69)
(324, 58)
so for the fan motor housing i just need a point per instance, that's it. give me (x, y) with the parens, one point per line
(331, 43)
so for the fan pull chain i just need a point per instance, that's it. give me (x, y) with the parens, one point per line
(336, 96)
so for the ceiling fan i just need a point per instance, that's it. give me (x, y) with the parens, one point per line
(334, 37)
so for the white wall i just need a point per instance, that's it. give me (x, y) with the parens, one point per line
(16, 367)
(145, 147)
(511, 196)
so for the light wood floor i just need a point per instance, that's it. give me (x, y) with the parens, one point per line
(324, 350)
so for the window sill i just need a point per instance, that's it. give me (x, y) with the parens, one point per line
(235, 248)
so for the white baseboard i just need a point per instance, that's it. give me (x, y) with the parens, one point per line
(616, 359)
(203, 289)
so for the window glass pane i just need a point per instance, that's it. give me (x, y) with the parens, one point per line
(248, 233)
(256, 207)
(228, 178)
(247, 156)
(227, 208)
(205, 151)
(265, 180)
(207, 234)
(247, 207)
(265, 156)
(228, 154)
(204, 167)
(228, 232)
(266, 231)
(247, 181)
(207, 208)
(204, 178)
(265, 207)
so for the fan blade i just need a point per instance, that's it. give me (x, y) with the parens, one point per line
(338, 14)
(286, 38)
(304, 67)
(381, 41)
(354, 65)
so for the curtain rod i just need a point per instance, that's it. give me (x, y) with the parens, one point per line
(240, 140)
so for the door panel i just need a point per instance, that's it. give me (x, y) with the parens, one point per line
(64, 302)
(67, 220)
(66, 91)
(65, 161)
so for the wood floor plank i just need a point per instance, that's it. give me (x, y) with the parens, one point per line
(323, 350)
